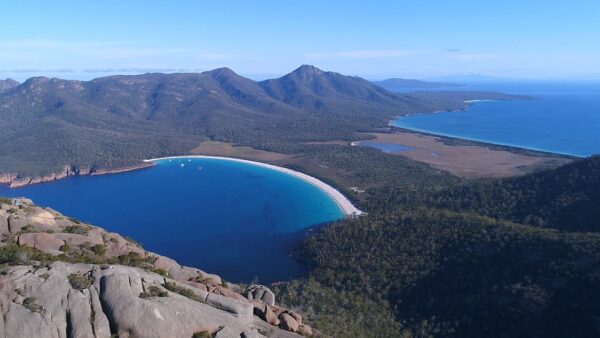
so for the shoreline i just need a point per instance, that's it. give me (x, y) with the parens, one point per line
(15, 181)
(347, 208)
(469, 104)
(503, 146)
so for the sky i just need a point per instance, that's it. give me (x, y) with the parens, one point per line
(551, 39)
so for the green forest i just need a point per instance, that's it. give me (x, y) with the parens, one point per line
(439, 257)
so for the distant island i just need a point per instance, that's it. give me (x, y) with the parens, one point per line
(394, 84)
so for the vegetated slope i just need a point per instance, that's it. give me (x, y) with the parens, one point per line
(454, 274)
(458, 272)
(566, 198)
(116, 121)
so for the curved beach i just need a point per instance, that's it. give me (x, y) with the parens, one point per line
(345, 205)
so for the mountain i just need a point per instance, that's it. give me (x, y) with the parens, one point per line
(64, 278)
(394, 84)
(53, 127)
(7, 84)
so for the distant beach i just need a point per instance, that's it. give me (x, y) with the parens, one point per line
(345, 205)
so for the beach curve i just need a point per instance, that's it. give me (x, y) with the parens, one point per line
(342, 201)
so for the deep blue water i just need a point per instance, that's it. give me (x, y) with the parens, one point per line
(234, 219)
(385, 147)
(561, 117)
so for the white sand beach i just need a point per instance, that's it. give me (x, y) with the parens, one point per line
(345, 205)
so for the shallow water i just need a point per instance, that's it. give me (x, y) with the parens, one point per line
(385, 147)
(234, 219)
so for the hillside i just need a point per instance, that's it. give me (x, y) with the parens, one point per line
(53, 128)
(565, 198)
(63, 278)
(414, 268)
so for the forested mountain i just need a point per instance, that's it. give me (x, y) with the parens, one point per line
(116, 121)
(432, 259)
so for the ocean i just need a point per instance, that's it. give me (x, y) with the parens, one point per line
(560, 117)
(234, 219)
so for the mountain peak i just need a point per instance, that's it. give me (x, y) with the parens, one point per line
(7, 84)
(222, 72)
(307, 69)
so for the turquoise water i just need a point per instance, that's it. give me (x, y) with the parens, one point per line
(234, 219)
(385, 147)
(560, 117)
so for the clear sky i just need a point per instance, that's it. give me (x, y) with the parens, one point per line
(260, 38)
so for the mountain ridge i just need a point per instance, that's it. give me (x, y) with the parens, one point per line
(116, 121)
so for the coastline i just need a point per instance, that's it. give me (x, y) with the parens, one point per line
(343, 203)
(15, 181)
(475, 141)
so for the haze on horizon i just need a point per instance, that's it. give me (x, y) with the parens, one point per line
(376, 40)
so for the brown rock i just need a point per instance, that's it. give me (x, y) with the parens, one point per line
(265, 313)
(288, 323)
(295, 315)
(306, 330)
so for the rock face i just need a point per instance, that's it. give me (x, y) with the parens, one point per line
(44, 292)
(15, 180)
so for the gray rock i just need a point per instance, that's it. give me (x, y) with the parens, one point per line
(262, 293)
(252, 334)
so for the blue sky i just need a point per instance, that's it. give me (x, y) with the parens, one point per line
(373, 39)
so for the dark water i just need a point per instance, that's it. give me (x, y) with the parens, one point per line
(230, 218)
(561, 117)
(385, 147)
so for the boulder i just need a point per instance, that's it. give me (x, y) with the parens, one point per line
(295, 315)
(262, 293)
(265, 313)
(288, 322)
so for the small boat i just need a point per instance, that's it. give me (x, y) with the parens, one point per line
(183, 165)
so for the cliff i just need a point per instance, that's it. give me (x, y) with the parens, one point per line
(64, 278)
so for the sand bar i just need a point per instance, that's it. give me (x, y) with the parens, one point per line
(345, 205)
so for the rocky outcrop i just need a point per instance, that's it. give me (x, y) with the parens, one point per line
(69, 279)
(15, 180)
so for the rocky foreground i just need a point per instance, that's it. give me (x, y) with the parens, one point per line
(60, 277)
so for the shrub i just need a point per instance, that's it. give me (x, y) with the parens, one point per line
(154, 291)
(159, 271)
(99, 249)
(30, 304)
(26, 229)
(79, 281)
(173, 287)
(77, 229)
